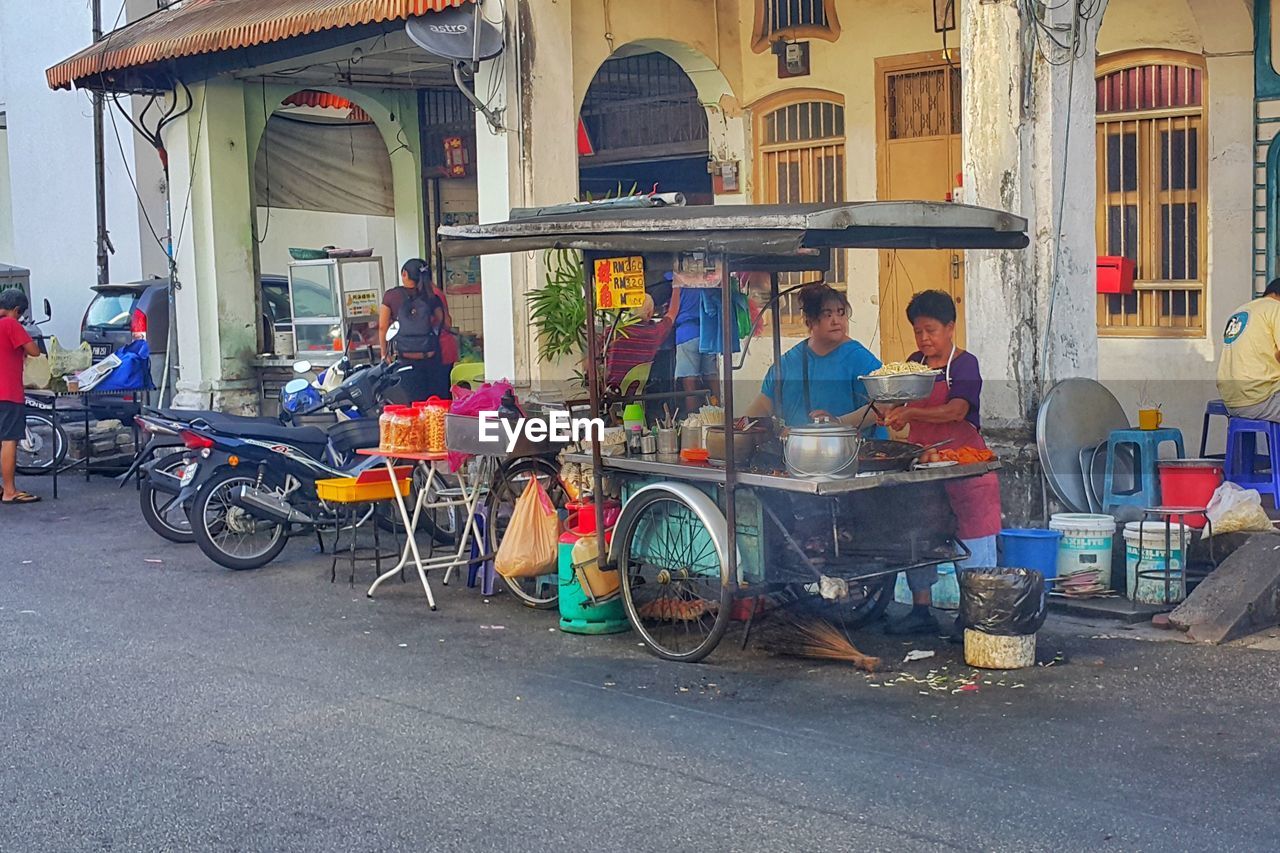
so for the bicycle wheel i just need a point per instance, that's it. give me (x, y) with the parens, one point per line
(672, 577)
(42, 447)
(542, 592)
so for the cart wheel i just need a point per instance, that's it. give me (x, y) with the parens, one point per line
(673, 578)
(866, 603)
(542, 592)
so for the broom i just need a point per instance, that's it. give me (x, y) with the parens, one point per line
(816, 639)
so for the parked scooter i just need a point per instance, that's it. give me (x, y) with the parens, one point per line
(252, 489)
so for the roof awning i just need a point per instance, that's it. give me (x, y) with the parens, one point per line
(749, 230)
(201, 27)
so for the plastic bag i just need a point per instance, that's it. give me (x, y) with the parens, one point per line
(66, 362)
(90, 377)
(1004, 602)
(531, 542)
(486, 398)
(133, 373)
(35, 372)
(1234, 509)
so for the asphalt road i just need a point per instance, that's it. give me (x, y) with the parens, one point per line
(152, 701)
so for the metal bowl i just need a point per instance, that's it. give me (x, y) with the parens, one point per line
(899, 387)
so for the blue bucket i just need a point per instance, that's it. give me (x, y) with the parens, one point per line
(1030, 549)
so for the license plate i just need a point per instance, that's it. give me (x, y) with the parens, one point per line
(101, 350)
(189, 472)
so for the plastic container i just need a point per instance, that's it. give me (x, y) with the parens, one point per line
(1086, 544)
(433, 416)
(633, 416)
(348, 490)
(1190, 483)
(1030, 549)
(945, 590)
(1149, 547)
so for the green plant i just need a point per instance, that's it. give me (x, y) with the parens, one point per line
(559, 308)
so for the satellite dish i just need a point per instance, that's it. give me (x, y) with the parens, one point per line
(459, 34)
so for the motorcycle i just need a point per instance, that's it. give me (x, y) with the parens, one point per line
(164, 460)
(250, 489)
(43, 445)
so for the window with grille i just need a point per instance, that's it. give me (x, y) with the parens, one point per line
(802, 161)
(1152, 168)
(794, 19)
(923, 103)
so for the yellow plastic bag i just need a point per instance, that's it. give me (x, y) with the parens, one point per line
(65, 362)
(529, 546)
(35, 372)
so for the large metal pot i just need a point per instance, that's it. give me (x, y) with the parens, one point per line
(822, 450)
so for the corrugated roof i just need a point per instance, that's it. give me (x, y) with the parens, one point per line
(209, 26)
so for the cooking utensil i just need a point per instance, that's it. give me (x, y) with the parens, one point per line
(822, 450)
(1075, 414)
(899, 388)
(744, 443)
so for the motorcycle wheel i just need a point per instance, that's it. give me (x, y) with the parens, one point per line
(158, 509)
(42, 447)
(226, 533)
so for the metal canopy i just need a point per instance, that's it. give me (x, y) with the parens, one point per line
(754, 230)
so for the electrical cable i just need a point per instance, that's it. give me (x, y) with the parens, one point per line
(266, 153)
(195, 154)
(141, 204)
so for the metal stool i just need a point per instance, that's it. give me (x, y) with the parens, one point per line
(351, 517)
(1146, 457)
(1167, 516)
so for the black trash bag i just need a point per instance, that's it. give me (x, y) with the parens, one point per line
(1004, 602)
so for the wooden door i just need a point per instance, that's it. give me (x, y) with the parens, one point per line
(919, 157)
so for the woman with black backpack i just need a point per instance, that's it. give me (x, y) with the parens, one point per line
(422, 319)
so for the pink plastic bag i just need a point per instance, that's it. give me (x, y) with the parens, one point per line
(486, 398)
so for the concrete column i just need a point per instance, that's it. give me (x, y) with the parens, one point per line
(531, 161)
(216, 323)
(1029, 149)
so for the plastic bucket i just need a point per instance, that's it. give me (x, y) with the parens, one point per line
(1030, 549)
(1086, 544)
(946, 591)
(1190, 483)
(1149, 548)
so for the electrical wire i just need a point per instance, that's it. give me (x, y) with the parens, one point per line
(266, 153)
(141, 204)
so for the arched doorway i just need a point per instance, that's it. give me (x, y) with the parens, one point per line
(323, 176)
(642, 127)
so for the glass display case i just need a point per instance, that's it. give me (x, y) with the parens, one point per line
(329, 297)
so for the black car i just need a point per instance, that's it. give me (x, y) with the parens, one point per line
(119, 314)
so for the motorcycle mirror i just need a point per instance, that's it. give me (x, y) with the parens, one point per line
(296, 386)
(301, 367)
(48, 310)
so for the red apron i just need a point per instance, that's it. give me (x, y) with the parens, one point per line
(975, 501)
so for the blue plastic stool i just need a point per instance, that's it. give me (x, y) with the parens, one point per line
(1145, 444)
(1214, 407)
(1243, 460)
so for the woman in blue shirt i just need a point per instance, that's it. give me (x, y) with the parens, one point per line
(819, 376)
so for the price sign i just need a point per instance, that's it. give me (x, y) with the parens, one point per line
(619, 283)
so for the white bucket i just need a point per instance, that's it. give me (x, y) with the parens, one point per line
(1085, 545)
(1150, 545)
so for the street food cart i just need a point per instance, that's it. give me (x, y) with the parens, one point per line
(698, 545)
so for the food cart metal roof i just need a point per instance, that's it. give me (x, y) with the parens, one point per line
(751, 231)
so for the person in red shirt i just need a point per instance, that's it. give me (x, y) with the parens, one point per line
(15, 346)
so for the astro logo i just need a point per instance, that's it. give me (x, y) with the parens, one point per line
(1235, 327)
(450, 29)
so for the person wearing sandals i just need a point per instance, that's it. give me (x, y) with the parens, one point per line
(15, 346)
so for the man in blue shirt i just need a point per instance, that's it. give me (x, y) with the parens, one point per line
(819, 376)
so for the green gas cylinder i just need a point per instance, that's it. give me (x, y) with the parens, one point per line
(577, 614)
